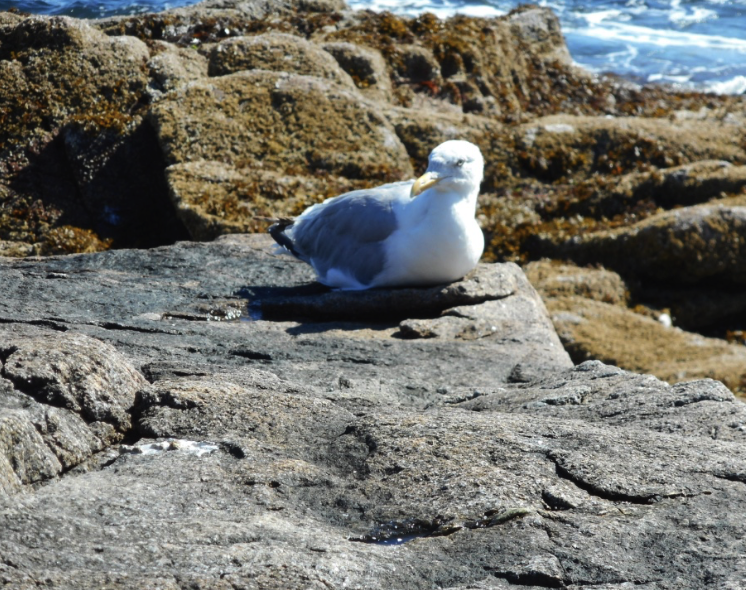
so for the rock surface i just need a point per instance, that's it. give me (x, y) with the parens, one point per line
(590, 310)
(261, 451)
(685, 246)
(205, 416)
(198, 122)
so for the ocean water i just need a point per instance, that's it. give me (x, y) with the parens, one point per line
(697, 44)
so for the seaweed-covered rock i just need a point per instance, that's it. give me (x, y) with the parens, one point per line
(263, 122)
(614, 334)
(365, 66)
(73, 152)
(277, 52)
(561, 146)
(592, 310)
(171, 66)
(78, 117)
(683, 245)
(553, 279)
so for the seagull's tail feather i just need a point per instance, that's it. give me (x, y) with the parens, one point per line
(277, 231)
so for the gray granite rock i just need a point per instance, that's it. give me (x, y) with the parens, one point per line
(329, 451)
(64, 397)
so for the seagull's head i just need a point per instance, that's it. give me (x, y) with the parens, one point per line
(454, 166)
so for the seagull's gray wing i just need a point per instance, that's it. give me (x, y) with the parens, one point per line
(347, 233)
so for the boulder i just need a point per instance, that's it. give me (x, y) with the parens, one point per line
(276, 52)
(281, 304)
(270, 450)
(251, 125)
(685, 246)
(79, 171)
(689, 184)
(206, 415)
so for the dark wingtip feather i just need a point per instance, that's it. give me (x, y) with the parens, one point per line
(277, 231)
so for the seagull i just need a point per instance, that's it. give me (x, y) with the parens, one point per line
(419, 232)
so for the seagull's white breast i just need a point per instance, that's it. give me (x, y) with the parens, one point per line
(438, 241)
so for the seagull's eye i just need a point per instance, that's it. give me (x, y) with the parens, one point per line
(460, 163)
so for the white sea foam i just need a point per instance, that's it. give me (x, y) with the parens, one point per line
(680, 16)
(480, 11)
(736, 85)
(670, 79)
(442, 10)
(624, 58)
(595, 18)
(662, 38)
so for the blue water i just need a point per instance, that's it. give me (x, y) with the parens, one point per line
(91, 8)
(698, 44)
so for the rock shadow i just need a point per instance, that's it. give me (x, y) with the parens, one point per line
(108, 186)
(317, 303)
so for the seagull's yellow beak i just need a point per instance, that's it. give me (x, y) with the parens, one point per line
(424, 182)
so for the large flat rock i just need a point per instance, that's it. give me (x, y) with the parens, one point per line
(446, 445)
(162, 308)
